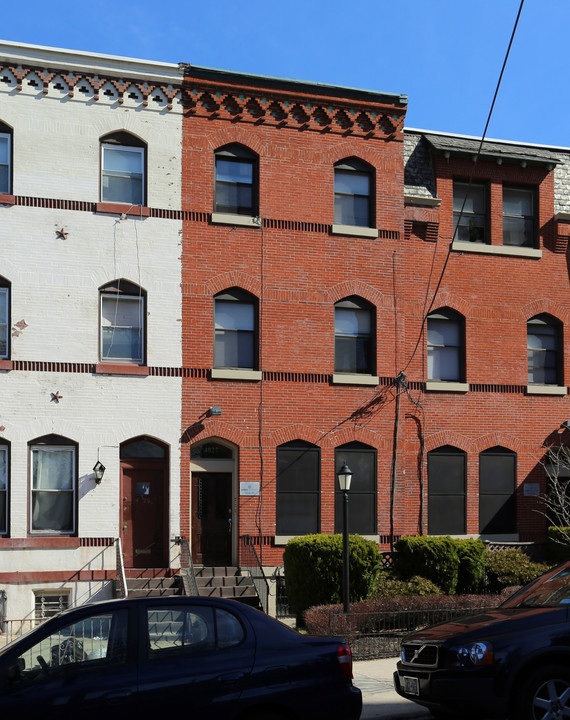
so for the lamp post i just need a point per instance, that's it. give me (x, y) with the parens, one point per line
(344, 478)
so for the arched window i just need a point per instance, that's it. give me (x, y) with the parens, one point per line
(354, 333)
(497, 486)
(6, 135)
(446, 346)
(4, 318)
(123, 169)
(361, 459)
(353, 193)
(53, 492)
(122, 322)
(235, 333)
(544, 344)
(298, 488)
(4, 485)
(447, 472)
(236, 183)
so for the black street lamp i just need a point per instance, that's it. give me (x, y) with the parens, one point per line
(344, 478)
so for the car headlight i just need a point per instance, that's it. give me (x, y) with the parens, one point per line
(477, 653)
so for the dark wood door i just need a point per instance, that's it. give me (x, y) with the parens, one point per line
(212, 518)
(143, 513)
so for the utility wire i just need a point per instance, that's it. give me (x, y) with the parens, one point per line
(426, 312)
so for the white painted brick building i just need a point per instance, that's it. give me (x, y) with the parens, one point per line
(90, 320)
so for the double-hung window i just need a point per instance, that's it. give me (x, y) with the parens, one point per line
(235, 334)
(5, 161)
(470, 212)
(543, 350)
(4, 457)
(53, 486)
(236, 183)
(123, 169)
(353, 184)
(354, 336)
(4, 320)
(445, 346)
(518, 216)
(122, 323)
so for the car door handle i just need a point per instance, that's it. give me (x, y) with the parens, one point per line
(231, 678)
(114, 697)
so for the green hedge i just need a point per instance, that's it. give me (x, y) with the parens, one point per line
(558, 545)
(434, 558)
(471, 554)
(313, 570)
(508, 568)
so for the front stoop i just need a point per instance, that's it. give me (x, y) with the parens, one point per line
(153, 582)
(226, 582)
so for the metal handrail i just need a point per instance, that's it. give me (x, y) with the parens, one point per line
(187, 567)
(121, 577)
(252, 564)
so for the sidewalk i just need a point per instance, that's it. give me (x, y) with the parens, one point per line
(380, 700)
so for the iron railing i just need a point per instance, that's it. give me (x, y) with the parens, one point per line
(379, 634)
(187, 567)
(121, 589)
(250, 562)
(12, 629)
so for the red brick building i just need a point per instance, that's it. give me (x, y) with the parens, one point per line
(330, 315)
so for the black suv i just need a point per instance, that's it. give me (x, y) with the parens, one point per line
(510, 662)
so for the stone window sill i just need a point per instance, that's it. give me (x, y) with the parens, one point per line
(355, 230)
(6, 365)
(350, 379)
(110, 208)
(119, 369)
(442, 386)
(229, 219)
(235, 374)
(546, 390)
(7, 199)
(508, 250)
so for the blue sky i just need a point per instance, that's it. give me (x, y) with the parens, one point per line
(446, 55)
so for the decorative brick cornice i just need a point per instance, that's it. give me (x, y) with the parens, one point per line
(88, 86)
(280, 108)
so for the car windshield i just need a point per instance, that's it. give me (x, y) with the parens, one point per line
(549, 590)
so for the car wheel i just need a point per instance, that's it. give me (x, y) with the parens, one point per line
(545, 695)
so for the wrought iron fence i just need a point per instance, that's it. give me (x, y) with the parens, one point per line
(12, 629)
(282, 607)
(187, 567)
(379, 634)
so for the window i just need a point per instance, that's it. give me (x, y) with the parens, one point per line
(543, 350)
(236, 185)
(4, 457)
(353, 336)
(472, 225)
(122, 322)
(497, 484)
(353, 193)
(5, 159)
(518, 216)
(298, 488)
(4, 318)
(235, 334)
(361, 459)
(49, 603)
(123, 169)
(446, 491)
(445, 346)
(53, 480)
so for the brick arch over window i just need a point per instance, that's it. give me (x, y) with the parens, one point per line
(123, 168)
(231, 279)
(354, 150)
(544, 306)
(362, 289)
(238, 136)
(53, 476)
(122, 336)
(297, 431)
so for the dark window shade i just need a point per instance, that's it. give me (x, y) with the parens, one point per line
(446, 492)
(497, 484)
(298, 489)
(362, 493)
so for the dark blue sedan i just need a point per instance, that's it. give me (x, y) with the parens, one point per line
(196, 657)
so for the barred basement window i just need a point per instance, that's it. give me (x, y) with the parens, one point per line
(49, 603)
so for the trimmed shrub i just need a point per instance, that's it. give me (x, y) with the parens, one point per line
(390, 587)
(434, 558)
(471, 555)
(504, 568)
(558, 545)
(313, 570)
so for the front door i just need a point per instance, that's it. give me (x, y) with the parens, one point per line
(212, 518)
(143, 485)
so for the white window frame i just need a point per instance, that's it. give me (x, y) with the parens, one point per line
(117, 297)
(4, 322)
(127, 148)
(73, 490)
(8, 189)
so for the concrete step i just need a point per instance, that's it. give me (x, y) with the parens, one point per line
(223, 581)
(152, 583)
(155, 592)
(227, 592)
(204, 571)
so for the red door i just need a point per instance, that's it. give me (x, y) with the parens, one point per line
(212, 518)
(144, 524)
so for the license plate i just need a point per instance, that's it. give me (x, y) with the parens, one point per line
(411, 685)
